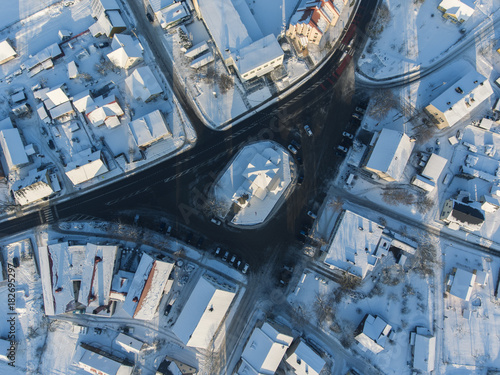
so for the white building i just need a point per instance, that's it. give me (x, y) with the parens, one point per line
(424, 350)
(373, 333)
(389, 155)
(127, 52)
(149, 129)
(128, 343)
(238, 38)
(145, 292)
(37, 185)
(264, 351)
(97, 274)
(86, 166)
(13, 154)
(95, 363)
(106, 111)
(109, 20)
(203, 313)
(357, 244)
(456, 10)
(7, 53)
(304, 360)
(460, 283)
(143, 85)
(428, 179)
(459, 100)
(172, 15)
(461, 215)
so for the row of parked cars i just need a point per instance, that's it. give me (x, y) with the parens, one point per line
(232, 259)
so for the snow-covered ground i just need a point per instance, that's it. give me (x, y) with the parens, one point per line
(415, 35)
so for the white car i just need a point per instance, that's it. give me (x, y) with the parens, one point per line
(308, 130)
(245, 268)
(312, 215)
(347, 135)
(342, 148)
(292, 149)
(215, 221)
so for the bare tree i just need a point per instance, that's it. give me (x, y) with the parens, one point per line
(382, 102)
(323, 308)
(226, 83)
(425, 259)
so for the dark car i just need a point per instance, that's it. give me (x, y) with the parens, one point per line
(103, 45)
(52, 146)
(150, 17)
(189, 237)
(300, 179)
(299, 160)
(295, 144)
(199, 244)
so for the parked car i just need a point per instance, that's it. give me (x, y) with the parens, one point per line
(150, 17)
(342, 148)
(103, 45)
(300, 179)
(233, 259)
(360, 110)
(226, 255)
(215, 221)
(347, 135)
(51, 144)
(299, 159)
(292, 149)
(199, 244)
(295, 144)
(245, 268)
(218, 251)
(189, 237)
(357, 116)
(308, 130)
(169, 230)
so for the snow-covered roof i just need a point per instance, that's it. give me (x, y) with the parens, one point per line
(390, 153)
(61, 110)
(423, 183)
(355, 244)
(72, 69)
(424, 352)
(85, 166)
(83, 101)
(434, 167)
(374, 333)
(142, 84)
(120, 285)
(127, 51)
(97, 364)
(107, 108)
(146, 289)
(466, 215)
(202, 60)
(258, 53)
(18, 97)
(264, 350)
(97, 274)
(60, 265)
(463, 282)
(47, 53)
(106, 22)
(463, 96)
(227, 26)
(149, 128)
(128, 343)
(6, 123)
(305, 361)
(57, 96)
(12, 149)
(202, 314)
(460, 10)
(7, 53)
(196, 50)
(32, 188)
(4, 350)
(157, 5)
(171, 15)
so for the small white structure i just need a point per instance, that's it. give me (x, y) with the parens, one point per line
(13, 154)
(460, 283)
(127, 52)
(202, 60)
(196, 50)
(128, 343)
(64, 35)
(459, 100)
(7, 53)
(147, 287)
(86, 166)
(202, 314)
(357, 244)
(83, 101)
(461, 215)
(57, 96)
(264, 350)
(304, 360)
(374, 333)
(36, 186)
(424, 350)
(389, 155)
(149, 129)
(143, 85)
(95, 363)
(455, 10)
(72, 70)
(490, 203)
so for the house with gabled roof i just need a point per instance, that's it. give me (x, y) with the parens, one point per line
(456, 10)
(467, 216)
(373, 333)
(7, 53)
